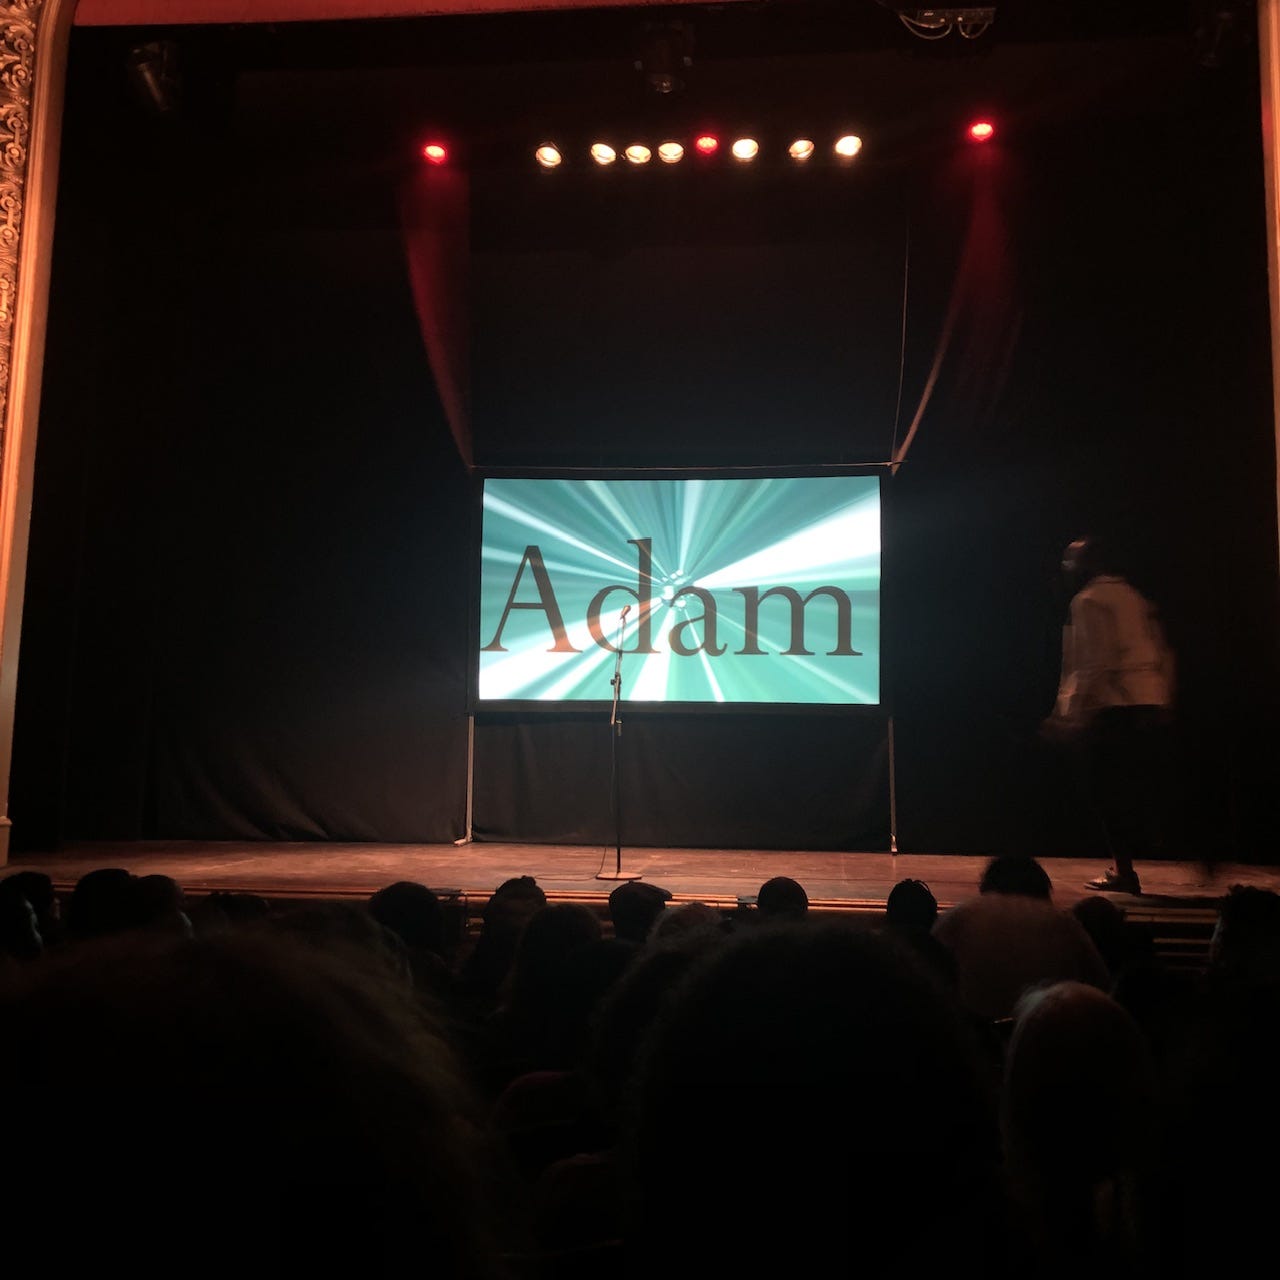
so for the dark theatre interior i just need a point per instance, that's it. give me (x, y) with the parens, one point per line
(310, 963)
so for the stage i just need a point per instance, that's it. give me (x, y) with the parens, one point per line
(1179, 899)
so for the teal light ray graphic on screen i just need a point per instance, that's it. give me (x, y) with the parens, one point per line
(755, 591)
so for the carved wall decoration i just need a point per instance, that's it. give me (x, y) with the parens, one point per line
(19, 26)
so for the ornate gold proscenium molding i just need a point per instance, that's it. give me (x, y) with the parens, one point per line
(19, 23)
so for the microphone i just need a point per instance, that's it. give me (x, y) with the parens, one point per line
(626, 609)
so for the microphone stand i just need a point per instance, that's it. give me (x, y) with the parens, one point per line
(615, 732)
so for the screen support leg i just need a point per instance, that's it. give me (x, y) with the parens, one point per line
(893, 795)
(471, 765)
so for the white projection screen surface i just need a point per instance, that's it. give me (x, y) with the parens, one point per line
(752, 592)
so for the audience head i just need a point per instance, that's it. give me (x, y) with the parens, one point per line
(39, 891)
(552, 935)
(685, 917)
(630, 1007)
(782, 898)
(1246, 936)
(161, 905)
(1120, 943)
(412, 911)
(511, 905)
(485, 967)
(634, 908)
(1017, 875)
(911, 907)
(331, 1127)
(20, 937)
(103, 902)
(1220, 1131)
(345, 930)
(775, 1026)
(222, 911)
(1077, 1118)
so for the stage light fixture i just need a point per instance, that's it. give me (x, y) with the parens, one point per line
(664, 52)
(603, 153)
(637, 153)
(745, 149)
(706, 145)
(937, 23)
(548, 155)
(670, 153)
(848, 146)
(154, 75)
(800, 149)
(435, 153)
(982, 131)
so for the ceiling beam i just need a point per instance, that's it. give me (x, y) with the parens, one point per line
(128, 13)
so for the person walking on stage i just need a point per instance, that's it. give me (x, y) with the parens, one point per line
(1114, 703)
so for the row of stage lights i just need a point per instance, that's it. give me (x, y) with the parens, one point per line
(706, 145)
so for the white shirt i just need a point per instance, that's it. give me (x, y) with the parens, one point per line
(1114, 652)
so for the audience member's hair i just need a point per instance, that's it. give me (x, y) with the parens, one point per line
(629, 1009)
(104, 901)
(344, 928)
(685, 916)
(552, 935)
(770, 1038)
(484, 968)
(1220, 1132)
(910, 913)
(160, 904)
(1120, 943)
(38, 889)
(1246, 936)
(1077, 1121)
(20, 937)
(412, 911)
(911, 907)
(782, 898)
(634, 907)
(305, 1111)
(1016, 874)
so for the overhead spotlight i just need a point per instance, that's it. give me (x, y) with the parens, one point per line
(800, 149)
(928, 23)
(435, 153)
(153, 74)
(1220, 29)
(548, 155)
(848, 146)
(603, 153)
(982, 131)
(664, 52)
(745, 149)
(670, 152)
(706, 145)
(637, 153)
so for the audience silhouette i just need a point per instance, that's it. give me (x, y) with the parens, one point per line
(782, 898)
(1011, 936)
(1002, 1086)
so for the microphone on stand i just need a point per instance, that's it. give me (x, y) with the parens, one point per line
(615, 723)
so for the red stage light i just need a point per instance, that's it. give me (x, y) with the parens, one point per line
(982, 131)
(706, 145)
(435, 153)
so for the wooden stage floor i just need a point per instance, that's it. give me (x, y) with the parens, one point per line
(834, 881)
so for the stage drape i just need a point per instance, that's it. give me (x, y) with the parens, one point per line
(769, 782)
(253, 536)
